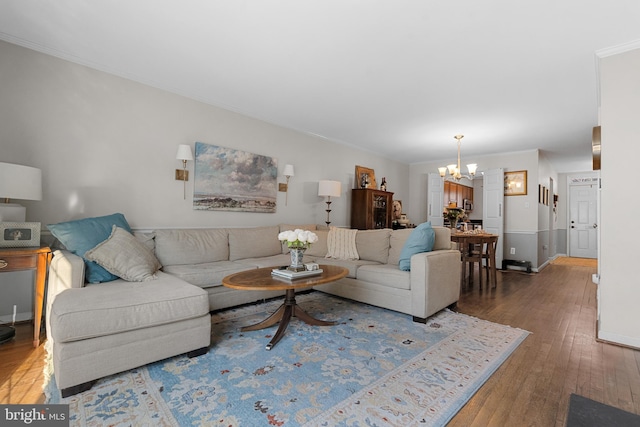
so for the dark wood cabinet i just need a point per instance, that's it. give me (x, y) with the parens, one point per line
(371, 208)
(458, 193)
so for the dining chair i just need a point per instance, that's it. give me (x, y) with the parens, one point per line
(472, 250)
(489, 256)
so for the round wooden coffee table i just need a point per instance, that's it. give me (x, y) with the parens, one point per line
(260, 279)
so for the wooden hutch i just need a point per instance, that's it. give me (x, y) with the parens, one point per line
(371, 208)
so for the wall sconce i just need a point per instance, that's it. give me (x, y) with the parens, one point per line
(329, 189)
(18, 182)
(184, 154)
(288, 173)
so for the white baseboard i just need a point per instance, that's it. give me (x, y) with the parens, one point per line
(619, 339)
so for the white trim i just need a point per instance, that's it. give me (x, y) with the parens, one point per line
(618, 339)
(604, 53)
(621, 48)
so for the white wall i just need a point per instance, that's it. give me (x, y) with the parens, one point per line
(107, 144)
(619, 284)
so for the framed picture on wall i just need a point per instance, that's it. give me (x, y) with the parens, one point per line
(546, 197)
(365, 178)
(397, 210)
(515, 183)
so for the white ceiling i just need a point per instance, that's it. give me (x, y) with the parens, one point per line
(398, 78)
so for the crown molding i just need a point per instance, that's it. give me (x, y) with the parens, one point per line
(615, 50)
(606, 52)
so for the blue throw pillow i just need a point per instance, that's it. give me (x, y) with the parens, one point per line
(84, 234)
(420, 240)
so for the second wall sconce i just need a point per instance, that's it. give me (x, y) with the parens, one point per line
(287, 172)
(184, 154)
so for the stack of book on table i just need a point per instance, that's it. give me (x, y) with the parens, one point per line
(290, 274)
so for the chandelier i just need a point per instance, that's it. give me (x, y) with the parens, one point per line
(454, 170)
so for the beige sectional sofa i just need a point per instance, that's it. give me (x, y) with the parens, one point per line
(96, 330)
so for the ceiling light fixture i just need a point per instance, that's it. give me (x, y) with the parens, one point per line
(454, 170)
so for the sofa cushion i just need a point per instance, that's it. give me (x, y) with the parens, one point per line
(443, 238)
(373, 245)
(125, 256)
(319, 248)
(385, 274)
(253, 242)
(207, 274)
(341, 243)
(420, 240)
(81, 235)
(105, 309)
(147, 239)
(269, 261)
(396, 243)
(192, 246)
(351, 265)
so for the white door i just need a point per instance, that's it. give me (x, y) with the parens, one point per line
(583, 222)
(435, 199)
(493, 207)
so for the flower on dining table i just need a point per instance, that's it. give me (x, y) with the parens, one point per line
(455, 214)
(299, 239)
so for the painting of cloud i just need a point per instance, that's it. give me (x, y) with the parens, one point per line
(233, 180)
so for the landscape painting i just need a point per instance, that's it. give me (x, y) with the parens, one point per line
(234, 180)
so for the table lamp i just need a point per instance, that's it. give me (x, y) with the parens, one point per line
(329, 189)
(18, 182)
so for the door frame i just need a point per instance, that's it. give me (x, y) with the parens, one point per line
(578, 179)
(496, 225)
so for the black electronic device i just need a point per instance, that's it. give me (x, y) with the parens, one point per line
(6, 333)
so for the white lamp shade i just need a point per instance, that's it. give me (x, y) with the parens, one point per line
(184, 152)
(329, 188)
(20, 182)
(473, 167)
(288, 170)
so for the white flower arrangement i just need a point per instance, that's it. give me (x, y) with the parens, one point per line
(298, 239)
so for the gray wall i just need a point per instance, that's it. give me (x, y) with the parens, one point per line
(107, 144)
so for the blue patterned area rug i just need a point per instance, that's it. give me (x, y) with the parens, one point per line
(375, 367)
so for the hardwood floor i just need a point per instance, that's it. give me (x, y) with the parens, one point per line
(560, 357)
(531, 388)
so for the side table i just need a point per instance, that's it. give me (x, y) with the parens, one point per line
(33, 258)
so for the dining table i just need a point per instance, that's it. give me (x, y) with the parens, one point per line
(469, 241)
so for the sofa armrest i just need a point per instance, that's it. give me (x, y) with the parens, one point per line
(435, 281)
(65, 272)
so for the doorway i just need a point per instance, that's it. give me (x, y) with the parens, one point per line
(583, 218)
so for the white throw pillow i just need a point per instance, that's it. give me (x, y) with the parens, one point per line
(125, 256)
(341, 243)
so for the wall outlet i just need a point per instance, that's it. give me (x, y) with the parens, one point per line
(513, 251)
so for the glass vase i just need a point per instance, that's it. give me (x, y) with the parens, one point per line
(296, 259)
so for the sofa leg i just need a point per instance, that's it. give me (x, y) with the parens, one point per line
(453, 307)
(70, 391)
(198, 352)
(419, 319)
